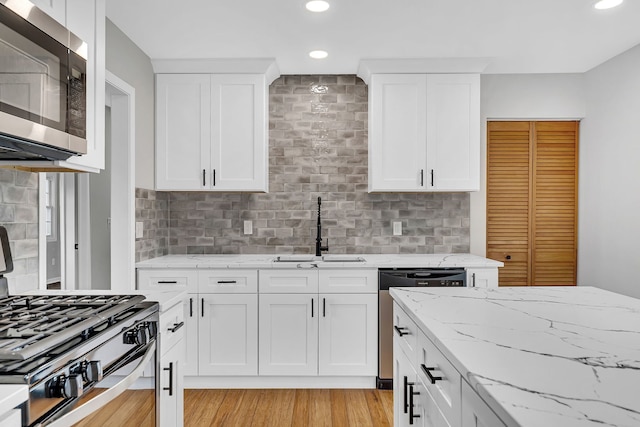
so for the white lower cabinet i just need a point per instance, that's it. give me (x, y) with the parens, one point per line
(482, 277)
(288, 334)
(476, 413)
(428, 390)
(171, 387)
(289, 328)
(228, 334)
(348, 341)
(190, 366)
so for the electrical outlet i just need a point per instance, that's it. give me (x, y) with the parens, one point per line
(139, 229)
(248, 227)
(397, 228)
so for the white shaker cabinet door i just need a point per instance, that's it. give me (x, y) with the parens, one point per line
(239, 147)
(228, 332)
(191, 345)
(348, 343)
(453, 132)
(171, 398)
(288, 334)
(183, 128)
(398, 137)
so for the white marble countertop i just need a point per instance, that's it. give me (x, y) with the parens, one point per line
(539, 356)
(12, 395)
(370, 261)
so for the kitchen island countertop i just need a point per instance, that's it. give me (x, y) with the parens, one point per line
(539, 356)
(370, 261)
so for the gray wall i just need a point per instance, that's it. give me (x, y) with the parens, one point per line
(129, 63)
(19, 215)
(609, 230)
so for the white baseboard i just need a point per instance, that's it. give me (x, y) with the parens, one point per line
(279, 382)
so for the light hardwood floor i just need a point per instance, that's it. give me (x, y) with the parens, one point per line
(281, 408)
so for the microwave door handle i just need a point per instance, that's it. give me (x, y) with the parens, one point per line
(107, 396)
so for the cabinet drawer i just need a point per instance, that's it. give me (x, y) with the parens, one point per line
(406, 331)
(167, 280)
(442, 380)
(348, 281)
(172, 327)
(227, 281)
(430, 414)
(288, 281)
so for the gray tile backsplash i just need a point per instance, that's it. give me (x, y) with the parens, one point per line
(317, 148)
(152, 211)
(19, 215)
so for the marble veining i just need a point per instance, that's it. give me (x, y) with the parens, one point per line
(539, 356)
(370, 261)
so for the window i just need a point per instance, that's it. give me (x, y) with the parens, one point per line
(50, 195)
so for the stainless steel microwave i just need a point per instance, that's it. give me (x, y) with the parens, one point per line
(43, 95)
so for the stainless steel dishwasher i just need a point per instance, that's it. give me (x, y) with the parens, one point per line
(404, 277)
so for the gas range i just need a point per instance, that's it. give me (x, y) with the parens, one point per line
(63, 346)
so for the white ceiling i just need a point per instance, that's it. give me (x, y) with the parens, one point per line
(518, 36)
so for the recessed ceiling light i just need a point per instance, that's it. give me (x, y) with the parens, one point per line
(607, 4)
(318, 54)
(317, 5)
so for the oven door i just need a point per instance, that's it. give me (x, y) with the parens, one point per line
(101, 396)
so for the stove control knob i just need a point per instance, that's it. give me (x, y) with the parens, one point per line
(92, 371)
(137, 336)
(65, 386)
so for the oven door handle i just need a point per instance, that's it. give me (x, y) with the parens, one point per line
(105, 397)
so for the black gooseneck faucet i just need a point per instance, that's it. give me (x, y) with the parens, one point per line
(319, 247)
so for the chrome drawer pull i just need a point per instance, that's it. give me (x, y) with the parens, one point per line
(427, 371)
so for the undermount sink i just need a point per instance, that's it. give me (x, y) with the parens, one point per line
(342, 258)
(325, 258)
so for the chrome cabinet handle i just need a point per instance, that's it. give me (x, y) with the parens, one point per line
(401, 330)
(431, 377)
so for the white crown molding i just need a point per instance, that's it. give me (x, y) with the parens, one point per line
(266, 66)
(367, 67)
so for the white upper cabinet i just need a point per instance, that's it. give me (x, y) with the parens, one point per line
(424, 132)
(183, 127)
(57, 9)
(397, 141)
(211, 132)
(87, 20)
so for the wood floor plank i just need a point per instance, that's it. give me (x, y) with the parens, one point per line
(302, 408)
(320, 409)
(338, 409)
(386, 397)
(376, 409)
(264, 409)
(203, 411)
(357, 409)
(232, 400)
(243, 417)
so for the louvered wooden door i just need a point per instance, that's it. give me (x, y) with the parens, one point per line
(532, 201)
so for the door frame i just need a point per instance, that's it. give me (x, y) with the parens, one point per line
(75, 208)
